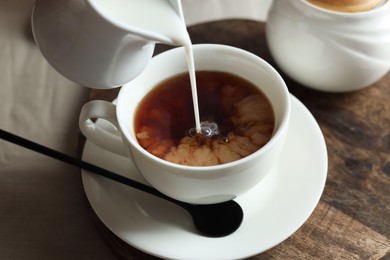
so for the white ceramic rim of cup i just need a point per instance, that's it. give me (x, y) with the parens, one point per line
(209, 47)
(348, 14)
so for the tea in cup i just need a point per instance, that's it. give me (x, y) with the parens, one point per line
(347, 5)
(245, 110)
(237, 119)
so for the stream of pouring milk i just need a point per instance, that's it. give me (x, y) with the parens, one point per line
(159, 18)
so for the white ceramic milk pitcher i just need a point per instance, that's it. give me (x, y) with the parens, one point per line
(104, 43)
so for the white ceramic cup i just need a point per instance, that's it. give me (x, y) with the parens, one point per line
(193, 184)
(329, 50)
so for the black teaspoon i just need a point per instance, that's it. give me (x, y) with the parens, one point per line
(213, 220)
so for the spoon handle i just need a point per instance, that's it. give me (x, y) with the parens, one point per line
(79, 163)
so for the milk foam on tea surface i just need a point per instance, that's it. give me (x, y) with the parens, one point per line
(348, 5)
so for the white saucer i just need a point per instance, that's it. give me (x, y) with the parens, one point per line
(273, 210)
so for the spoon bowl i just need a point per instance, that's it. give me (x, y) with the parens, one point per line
(216, 220)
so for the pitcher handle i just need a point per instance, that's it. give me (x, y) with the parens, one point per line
(99, 109)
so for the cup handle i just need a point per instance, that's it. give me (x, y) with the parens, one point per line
(99, 109)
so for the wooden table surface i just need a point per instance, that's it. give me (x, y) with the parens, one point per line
(352, 219)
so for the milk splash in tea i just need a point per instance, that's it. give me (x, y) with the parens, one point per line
(158, 19)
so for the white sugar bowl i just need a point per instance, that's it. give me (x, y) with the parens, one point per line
(329, 50)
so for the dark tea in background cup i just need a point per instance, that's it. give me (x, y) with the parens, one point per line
(348, 5)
